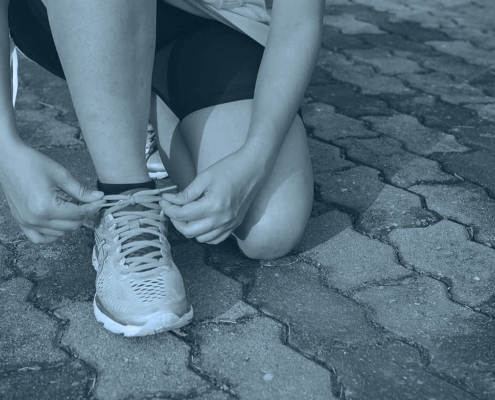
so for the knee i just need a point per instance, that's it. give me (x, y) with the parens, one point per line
(269, 244)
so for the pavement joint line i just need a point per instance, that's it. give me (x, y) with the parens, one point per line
(423, 352)
(285, 339)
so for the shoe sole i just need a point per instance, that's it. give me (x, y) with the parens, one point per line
(157, 174)
(157, 323)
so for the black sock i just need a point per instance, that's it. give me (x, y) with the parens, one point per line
(118, 188)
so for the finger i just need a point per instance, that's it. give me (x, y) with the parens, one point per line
(71, 186)
(190, 212)
(193, 192)
(51, 232)
(215, 237)
(73, 212)
(59, 225)
(37, 237)
(195, 228)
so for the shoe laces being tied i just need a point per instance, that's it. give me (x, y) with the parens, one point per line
(137, 226)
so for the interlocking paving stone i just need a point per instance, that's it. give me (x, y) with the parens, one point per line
(227, 258)
(320, 77)
(199, 279)
(49, 90)
(318, 317)
(458, 69)
(385, 61)
(432, 112)
(485, 111)
(464, 203)
(466, 51)
(382, 207)
(400, 167)
(249, 359)
(361, 75)
(239, 311)
(5, 258)
(40, 128)
(351, 260)
(333, 39)
(9, 231)
(445, 250)
(356, 188)
(326, 158)
(476, 133)
(447, 89)
(393, 208)
(328, 125)
(63, 270)
(348, 101)
(414, 136)
(485, 80)
(27, 335)
(397, 42)
(69, 380)
(479, 38)
(477, 167)
(349, 25)
(455, 337)
(129, 367)
(387, 371)
(323, 228)
(335, 330)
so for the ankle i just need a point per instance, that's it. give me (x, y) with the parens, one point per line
(117, 188)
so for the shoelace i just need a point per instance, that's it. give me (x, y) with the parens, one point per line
(129, 224)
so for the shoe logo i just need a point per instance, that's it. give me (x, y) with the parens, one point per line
(101, 254)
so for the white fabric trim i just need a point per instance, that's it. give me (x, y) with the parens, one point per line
(249, 17)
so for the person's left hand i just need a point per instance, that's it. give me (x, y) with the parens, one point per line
(217, 200)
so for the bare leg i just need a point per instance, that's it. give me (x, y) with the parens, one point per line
(107, 51)
(277, 217)
(173, 151)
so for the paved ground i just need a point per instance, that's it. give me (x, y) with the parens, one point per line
(391, 293)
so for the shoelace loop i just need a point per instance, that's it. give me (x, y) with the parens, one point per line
(138, 244)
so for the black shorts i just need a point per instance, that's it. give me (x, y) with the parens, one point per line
(207, 62)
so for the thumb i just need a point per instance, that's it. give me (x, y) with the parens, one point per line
(71, 186)
(190, 193)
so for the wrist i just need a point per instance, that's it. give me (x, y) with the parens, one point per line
(10, 147)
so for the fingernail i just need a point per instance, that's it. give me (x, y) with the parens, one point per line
(96, 193)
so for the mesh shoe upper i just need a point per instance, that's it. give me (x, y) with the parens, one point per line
(137, 277)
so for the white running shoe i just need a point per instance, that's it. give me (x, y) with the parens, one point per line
(139, 290)
(156, 169)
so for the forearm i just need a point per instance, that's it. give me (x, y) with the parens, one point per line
(290, 57)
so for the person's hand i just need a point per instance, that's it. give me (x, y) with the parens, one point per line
(215, 203)
(38, 191)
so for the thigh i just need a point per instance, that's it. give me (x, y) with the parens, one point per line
(30, 30)
(209, 66)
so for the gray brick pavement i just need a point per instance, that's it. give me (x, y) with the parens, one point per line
(390, 292)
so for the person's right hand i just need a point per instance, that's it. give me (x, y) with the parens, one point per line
(38, 191)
